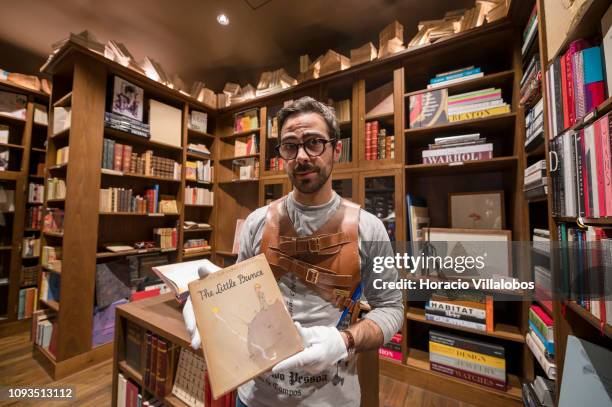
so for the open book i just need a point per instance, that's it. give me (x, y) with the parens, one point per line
(178, 275)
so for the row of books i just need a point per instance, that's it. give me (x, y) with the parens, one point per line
(540, 340)
(535, 182)
(30, 247)
(467, 359)
(28, 299)
(36, 193)
(272, 127)
(246, 147)
(247, 120)
(119, 157)
(378, 145)
(466, 310)
(576, 85)
(44, 330)
(465, 147)
(29, 276)
(245, 169)
(444, 79)
(51, 257)
(128, 394)
(56, 188)
(531, 82)
(195, 245)
(54, 220)
(156, 364)
(393, 348)
(198, 196)
(342, 109)
(201, 171)
(278, 164)
(50, 287)
(538, 393)
(129, 125)
(345, 152)
(124, 200)
(530, 33)
(584, 261)
(198, 121)
(165, 238)
(33, 217)
(534, 126)
(581, 173)
(62, 155)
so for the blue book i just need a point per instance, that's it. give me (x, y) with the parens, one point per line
(455, 75)
(21, 308)
(593, 71)
(53, 282)
(549, 346)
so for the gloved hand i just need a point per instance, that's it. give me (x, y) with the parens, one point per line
(323, 347)
(188, 314)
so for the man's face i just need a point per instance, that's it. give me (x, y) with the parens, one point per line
(308, 174)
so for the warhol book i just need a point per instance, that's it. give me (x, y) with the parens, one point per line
(244, 325)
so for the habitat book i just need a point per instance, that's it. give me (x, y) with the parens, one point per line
(244, 325)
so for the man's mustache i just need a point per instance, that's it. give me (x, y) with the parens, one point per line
(305, 168)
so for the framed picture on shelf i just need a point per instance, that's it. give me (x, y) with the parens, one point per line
(476, 210)
(490, 249)
(128, 99)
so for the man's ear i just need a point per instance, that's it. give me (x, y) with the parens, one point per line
(337, 150)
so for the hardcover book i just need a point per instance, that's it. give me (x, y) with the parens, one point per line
(244, 325)
(428, 109)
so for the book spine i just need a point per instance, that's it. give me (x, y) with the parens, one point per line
(579, 84)
(549, 346)
(454, 76)
(391, 354)
(549, 368)
(456, 322)
(489, 322)
(162, 367)
(469, 376)
(475, 311)
(557, 83)
(569, 74)
(544, 329)
(565, 101)
(479, 114)
(459, 157)
(473, 367)
(153, 369)
(118, 157)
(462, 343)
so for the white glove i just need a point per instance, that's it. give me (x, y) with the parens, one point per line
(188, 314)
(323, 347)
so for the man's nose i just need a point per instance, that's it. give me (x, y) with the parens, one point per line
(301, 155)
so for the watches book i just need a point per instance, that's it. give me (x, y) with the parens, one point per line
(244, 325)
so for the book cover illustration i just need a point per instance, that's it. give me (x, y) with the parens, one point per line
(428, 109)
(127, 99)
(244, 325)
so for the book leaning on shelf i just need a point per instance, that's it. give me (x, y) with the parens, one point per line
(534, 126)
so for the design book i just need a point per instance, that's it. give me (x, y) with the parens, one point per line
(244, 325)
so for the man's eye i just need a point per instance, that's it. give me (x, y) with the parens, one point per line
(314, 142)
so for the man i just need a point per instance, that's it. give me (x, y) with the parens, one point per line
(318, 246)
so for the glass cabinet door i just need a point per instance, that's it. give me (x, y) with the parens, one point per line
(382, 197)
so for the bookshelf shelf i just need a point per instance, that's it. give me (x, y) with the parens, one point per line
(502, 331)
(31, 230)
(195, 181)
(538, 151)
(61, 135)
(241, 134)
(590, 318)
(34, 203)
(199, 205)
(56, 201)
(226, 253)
(131, 138)
(9, 175)
(380, 117)
(104, 255)
(197, 156)
(13, 146)
(201, 134)
(149, 215)
(130, 372)
(54, 234)
(241, 157)
(595, 114)
(538, 199)
(585, 221)
(196, 254)
(11, 119)
(482, 124)
(494, 164)
(238, 181)
(19, 88)
(38, 150)
(494, 79)
(3, 248)
(174, 401)
(33, 176)
(64, 101)
(54, 305)
(197, 230)
(58, 167)
(51, 270)
(114, 173)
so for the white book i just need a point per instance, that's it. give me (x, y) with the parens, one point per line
(568, 174)
(537, 167)
(476, 107)
(550, 368)
(456, 322)
(530, 36)
(121, 390)
(457, 139)
(178, 275)
(478, 148)
(591, 154)
(456, 80)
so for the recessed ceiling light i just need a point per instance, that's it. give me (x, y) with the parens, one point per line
(222, 19)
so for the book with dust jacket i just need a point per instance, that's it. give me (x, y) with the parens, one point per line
(244, 325)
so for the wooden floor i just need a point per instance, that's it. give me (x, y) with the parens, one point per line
(93, 385)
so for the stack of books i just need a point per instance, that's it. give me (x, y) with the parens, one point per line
(543, 285)
(539, 393)
(126, 124)
(195, 245)
(456, 76)
(198, 149)
(530, 33)
(540, 340)
(56, 188)
(378, 144)
(13, 104)
(576, 85)
(393, 348)
(198, 121)
(476, 104)
(165, 238)
(531, 82)
(535, 182)
(466, 310)
(245, 169)
(198, 196)
(50, 287)
(465, 147)
(272, 128)
(475, 361)
(28, 298)
(541, 240)
(274, 81)
(128, 393)
(581, 172)
(51, 257)
(534, 125)
(248, 120)
(30, 247)
(200, 171)
(246, 147)
(44, 333)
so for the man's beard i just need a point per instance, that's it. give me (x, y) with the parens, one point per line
(309, 186)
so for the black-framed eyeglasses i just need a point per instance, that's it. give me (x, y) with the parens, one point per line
(313, 147)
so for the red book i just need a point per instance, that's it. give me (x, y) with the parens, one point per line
(153, 369)
(131, 394)
(397, 338)
(469, 376)
(374, 141)
(162, 367)
(391, 354)
(53, 341)
(595, 94)
(127, 158)
(601, 197)
(368, 134)
(566, 122)
(174, 240)
(569, 83)
(141, 295)
(604, 131)
(585, 176)
(543, 315)
(118, 157)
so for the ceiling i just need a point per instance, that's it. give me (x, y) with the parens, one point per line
(184, 36)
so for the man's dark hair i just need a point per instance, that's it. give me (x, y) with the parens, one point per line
(307, 104)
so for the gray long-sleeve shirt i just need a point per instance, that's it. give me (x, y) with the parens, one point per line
(338, 386)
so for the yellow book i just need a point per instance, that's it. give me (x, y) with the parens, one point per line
(479, 114)
(470, 356)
